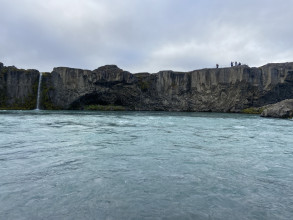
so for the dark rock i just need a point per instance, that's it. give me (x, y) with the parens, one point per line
(283, 109)
(227, 89)
(18, 88)
(217, 90)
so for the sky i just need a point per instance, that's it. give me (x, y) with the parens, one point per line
(144, 35)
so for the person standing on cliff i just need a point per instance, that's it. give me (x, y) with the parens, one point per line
(235, 63)
(232, 64)
(217, 65)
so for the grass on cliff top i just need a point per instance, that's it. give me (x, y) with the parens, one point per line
(252, 110)
(104, 108)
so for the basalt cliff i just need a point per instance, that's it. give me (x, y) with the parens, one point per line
(18, 88)
(230, 89)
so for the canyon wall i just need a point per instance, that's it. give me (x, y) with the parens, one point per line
(219, 90)
(18, 88)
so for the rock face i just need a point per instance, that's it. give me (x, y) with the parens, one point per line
(219, 90)
(18, 88)
(283, 109)
(68, 88)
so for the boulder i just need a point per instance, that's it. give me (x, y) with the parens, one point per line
(283, 109)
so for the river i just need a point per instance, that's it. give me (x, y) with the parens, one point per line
(144, 165)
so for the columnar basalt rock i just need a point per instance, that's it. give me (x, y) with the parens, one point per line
(222, 90)
(219, 89)
(18, 88)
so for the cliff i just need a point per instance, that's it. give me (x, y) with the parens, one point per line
(220, 90)
(18, 88)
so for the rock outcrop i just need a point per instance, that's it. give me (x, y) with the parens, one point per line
(219, 90)
(18, 88)
(283, 109)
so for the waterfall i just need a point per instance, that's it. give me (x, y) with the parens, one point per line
(39, 92)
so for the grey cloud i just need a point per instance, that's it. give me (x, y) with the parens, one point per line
(144, 35)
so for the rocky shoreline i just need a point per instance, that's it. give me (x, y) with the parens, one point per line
(283, 109)
(234, 89)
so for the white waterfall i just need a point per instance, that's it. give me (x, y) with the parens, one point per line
(39, 92)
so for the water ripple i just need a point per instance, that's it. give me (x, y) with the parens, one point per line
(144, 165)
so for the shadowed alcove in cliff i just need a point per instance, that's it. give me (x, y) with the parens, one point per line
(278, 93)
(99, 99)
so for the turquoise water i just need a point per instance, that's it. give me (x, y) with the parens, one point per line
(144, 165)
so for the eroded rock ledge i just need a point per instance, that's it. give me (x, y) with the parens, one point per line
(283, 109)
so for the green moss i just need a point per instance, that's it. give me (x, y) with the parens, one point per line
(13, 69)
(46, 102)
(252, 110)
(3, 97)
(174, 85)
(4, 70)
(104, 108)
(27, 104)
(143, 85)
(45, 74)
(31, 101)
(46, 92)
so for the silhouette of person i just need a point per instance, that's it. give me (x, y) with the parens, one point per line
(217, 65)
(235, 63)
(232, 64)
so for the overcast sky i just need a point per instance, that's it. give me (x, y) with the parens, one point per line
(145, 35)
